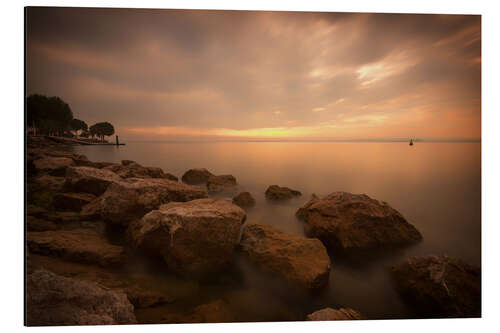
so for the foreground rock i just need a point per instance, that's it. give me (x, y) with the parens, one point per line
(440, 286)
(47, 183)
(131, 198)
(196, 176)
(222, 183)
(81, 245)
(89, 180)
(332, 314)
(131, 169)
(54, 166)
(300, 260)
(194, 238)
(216, 311)
(244, 200)
(277, 193)
(72, 201)
(345, 221)
(55, 300)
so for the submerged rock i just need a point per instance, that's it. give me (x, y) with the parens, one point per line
(131, 198)
(244, 200)
(345, 221)
(72, 201)
(300, 260)
(89, 180)
(333, 314)
(80, 245)
(55, 300)
(275, 192)
(439, 286)
(194, 238)
(222, 183)
(196, 176)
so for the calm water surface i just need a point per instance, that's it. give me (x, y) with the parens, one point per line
(436, 186)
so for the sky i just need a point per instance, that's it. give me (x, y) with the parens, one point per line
(191, 75)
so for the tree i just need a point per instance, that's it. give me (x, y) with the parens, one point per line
(49, 115)
(78, 125)
(101, 130)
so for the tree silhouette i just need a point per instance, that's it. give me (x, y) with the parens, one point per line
(78, 125)
(101, 130)
(49, 115)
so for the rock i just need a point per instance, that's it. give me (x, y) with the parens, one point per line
(196, 176)
(35, 211)
(275, 192)
(194, 238)
(300, 260)
(142, 298)
(222, 183)
(131, 169)
(244, 200)
(332, 314)
(36, 224)
(131, 198)
(48, 183)
(345, 221)
(72, 201)
(80, 245)
(439, 286)
(216, 311)
(54, 166)
(89, 180)
(55, 300)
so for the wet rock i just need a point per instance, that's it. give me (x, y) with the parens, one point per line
(333, 314)
(80, 245)
(222, 183)
(54, 166)
(72, 201)
(244, 200)
(196, 176)
(131, 169)
(275, 192)
(345, 221)
(439, 286)
(194, 238)
(131, 198)
(55, 300)
(300, 260)
(89, 180)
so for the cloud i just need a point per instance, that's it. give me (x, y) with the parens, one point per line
(235, 73)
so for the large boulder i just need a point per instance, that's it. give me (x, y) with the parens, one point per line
(222, 183)
(89, 180)
(72, 201)
(345, 221)
(131, 198)
(55, 300)
(277, 193)
(300, 260)
(47, 183)
(54, 166)
(80, 245)
(333, 314)
(194, 238)
(131, 169)
(196, 176)
(439, 286)
(244, 200)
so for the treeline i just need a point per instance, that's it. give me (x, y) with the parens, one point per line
(53, 116)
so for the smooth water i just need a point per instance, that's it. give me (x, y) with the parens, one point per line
(436, 186)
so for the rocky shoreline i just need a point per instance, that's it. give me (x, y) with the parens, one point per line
(89, 222)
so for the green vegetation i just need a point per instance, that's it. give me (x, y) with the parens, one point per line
(53, 116)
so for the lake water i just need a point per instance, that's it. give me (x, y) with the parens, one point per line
(436, 186)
